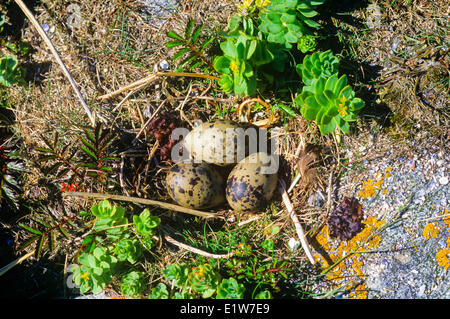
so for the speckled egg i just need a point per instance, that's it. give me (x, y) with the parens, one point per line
(197, 186)
(252, 182)
(222, 142)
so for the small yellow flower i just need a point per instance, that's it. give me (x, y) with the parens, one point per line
(234, 67)
(262, 3)
(85, 276)
(246, 3)
(342, 110)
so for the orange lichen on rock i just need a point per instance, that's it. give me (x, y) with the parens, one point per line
(371, 186)
(430, 230)
(443, 257)
(349, 271)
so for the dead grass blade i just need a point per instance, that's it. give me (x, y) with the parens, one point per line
(298, 226)
(47, 40)
(151, 202)
(153, 77)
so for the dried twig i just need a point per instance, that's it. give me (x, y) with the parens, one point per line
(153, 77)
(15, 263)
(298, 226)
(47, 40)
(330, 187)
(196, 250)
(168, 206)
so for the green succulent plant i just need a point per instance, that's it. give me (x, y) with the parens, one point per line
(177, 274)
(331, 102)
(316, 65)
(10, 71)
(108, 217)
(285, 22)
(133, 283)
(243, 54)
(145, 226)
(95, 270)
(204, 280)
(128, 249)
(307, 43)
(230, 289)
(159, 292)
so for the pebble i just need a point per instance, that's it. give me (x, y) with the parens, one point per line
(443, 180)
(45, 27)
(164, 65)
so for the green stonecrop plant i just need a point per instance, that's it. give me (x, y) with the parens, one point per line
(191, 49)
(109, 218)
(316, 65)
(285, 22)
(203, 280)
(230, 289)
(114, 249)
(331, 102)
(145, 227)
(244, 52)
(128, 249)
(307, 43)
(10, 71)
(95, 270)
(133, 283)
(326, 97)
(200, 281)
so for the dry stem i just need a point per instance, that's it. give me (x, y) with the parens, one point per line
(298, 226)
(153, 77)
(47, 40)
(168, 206)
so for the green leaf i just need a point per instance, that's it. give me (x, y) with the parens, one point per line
(51, 240)
(251, 49)
(45, 150)
(205, 44)
(159, 292)
(357, 104)
(307, 12)
(88, 152)
(89, 145)
(188, 60)
(27, 243)
(31, 230)
(196, 33)
(173, 35)
(40, 246)
(63, 231)
(229, 49)
(189, 26)
(286, 109)
(327, 128)
(222, 64)
(180, 53)
(172, 44)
